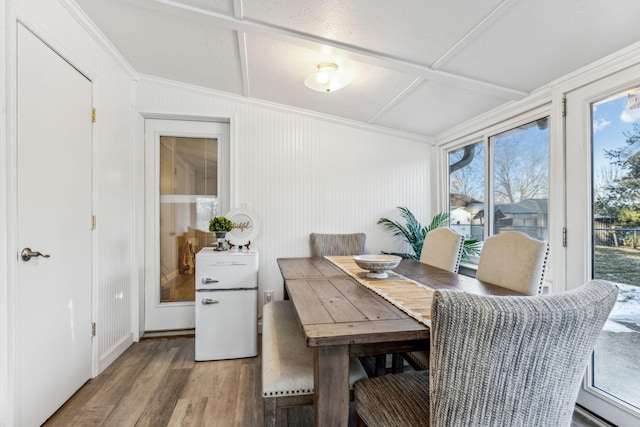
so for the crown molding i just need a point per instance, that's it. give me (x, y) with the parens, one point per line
(198, 90)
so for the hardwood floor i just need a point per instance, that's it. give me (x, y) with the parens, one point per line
(181, 288)
(156, 382)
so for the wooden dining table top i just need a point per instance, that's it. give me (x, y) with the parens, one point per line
(333, 308)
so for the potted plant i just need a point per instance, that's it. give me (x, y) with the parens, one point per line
(414, 233)
(220, 225)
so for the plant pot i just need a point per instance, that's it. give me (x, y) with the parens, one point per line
(220, 236)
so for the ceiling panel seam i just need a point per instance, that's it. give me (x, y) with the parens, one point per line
(244, 63)
(238, 12)
(366, 56)
(490, 18)
(395, 99)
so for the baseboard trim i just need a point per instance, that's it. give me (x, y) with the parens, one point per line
(158, 335)
(115, 352)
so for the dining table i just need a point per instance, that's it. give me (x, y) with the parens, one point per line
(344, 313)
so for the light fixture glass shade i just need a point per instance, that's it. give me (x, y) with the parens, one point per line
(327, 79)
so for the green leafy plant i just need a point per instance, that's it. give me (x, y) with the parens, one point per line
(414, 233)
(220, 224)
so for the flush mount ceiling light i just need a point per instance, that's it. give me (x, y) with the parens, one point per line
(327, 79)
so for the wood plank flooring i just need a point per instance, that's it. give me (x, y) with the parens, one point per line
(157, 383)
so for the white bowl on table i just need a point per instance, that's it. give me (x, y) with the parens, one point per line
(377, 265)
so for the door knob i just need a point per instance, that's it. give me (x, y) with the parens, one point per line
(27, 254)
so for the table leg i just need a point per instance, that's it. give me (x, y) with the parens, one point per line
(331, 381)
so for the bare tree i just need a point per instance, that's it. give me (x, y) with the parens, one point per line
(521, 169)
(467, 172)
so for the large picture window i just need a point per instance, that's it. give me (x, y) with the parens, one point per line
(501, 183)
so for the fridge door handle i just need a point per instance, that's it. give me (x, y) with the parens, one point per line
(206, 281)
(207, 301)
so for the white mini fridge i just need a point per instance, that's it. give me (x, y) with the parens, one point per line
(226, 304)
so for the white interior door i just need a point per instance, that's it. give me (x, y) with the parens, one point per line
(179, 200)
(603, 201)
(53, 293)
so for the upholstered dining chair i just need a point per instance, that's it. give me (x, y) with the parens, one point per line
(337, 244)
(514, 260)
(495, 361)
(442, 248)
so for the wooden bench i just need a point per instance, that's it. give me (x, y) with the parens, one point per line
(287, 363)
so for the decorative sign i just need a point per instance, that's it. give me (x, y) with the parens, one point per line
(245, 227)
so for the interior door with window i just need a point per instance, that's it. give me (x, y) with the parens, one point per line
(603, 232)
(187, 183)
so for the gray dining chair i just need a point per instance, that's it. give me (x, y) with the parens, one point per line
(495, 361)
(442, 248)
(515, 261)
(337, 244)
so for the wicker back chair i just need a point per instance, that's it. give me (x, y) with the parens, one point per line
(495, 361)
(337, 244)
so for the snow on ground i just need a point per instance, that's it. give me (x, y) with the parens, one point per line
(625, 316)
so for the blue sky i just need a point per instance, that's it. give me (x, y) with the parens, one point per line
(611, 118)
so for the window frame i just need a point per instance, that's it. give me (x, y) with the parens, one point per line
(482, 136)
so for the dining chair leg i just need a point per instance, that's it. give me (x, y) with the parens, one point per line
(397, 365)
(381, 365)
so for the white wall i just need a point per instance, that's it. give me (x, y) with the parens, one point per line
(113, 253)
(303, 173)
(4, 297)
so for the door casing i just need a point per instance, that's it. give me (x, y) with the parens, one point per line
(578, 202)
(174, 315)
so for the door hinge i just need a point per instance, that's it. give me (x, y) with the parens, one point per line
(564, 237)
(93, 222)
(564, 107)
(93, 115)
(93, 329)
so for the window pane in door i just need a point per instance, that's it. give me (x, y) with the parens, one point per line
(520, 163)
(466, 191)
(615, 131)
(188, 199)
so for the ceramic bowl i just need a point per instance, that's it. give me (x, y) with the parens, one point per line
(377, 265)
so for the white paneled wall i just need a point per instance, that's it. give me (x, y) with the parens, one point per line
(302, 173)
(116, 255)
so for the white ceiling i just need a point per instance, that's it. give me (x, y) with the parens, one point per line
(419, 66)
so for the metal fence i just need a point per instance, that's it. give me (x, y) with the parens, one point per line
(615, 236)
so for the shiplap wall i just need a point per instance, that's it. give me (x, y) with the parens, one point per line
(302, 173)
